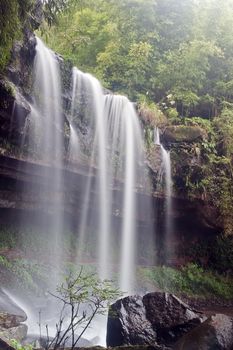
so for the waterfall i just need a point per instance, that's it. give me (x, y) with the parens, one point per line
(116, 174)
(73, 144)
(46, 140)
(124, 131)
(166, 171)
(116, 155)
(113, 225)
(157, 137)
(47, 96)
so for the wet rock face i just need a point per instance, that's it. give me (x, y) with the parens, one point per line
(169, 316)
(14, 110)
(16, 84)
(155, 319)
(127, 323)
(23, 53)
(216, 333)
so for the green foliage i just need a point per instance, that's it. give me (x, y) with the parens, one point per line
(17, 346)
(27, 274)
(217, 254)
(208, 145)
(13, 16)
(224, 131)
(7, 237)
(98, 42)
(9, 20)
(173, 115)
(221, 254)
(153, 48)
(83, 297)
(150, 113)
(211, 176)
(52, 8)
(191, 280)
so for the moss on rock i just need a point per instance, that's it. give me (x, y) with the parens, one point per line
(183, 133)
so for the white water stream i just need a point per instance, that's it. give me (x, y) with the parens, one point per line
(166, 173)
(116, 153)
(46, 139)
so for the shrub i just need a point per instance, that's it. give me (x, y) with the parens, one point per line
(191, 280)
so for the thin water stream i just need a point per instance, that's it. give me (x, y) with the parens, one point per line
(166, 174)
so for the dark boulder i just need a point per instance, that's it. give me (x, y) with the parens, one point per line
(216, 333)
(128, 325)
(4, 345)
(154, 319)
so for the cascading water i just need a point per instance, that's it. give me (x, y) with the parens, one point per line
(47, 96)
(73, 144)
(157, 137)
(166, 170)
(46, 140)
(126, 142)
(116, 154)
(87, 87)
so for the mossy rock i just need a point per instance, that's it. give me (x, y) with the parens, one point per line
(18, 333)
(183, 133)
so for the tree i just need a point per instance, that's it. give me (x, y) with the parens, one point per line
(82, 297)
(52, 8)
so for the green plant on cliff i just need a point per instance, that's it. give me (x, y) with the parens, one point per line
(215, 254)
(26, 274)
(13, 15)
(150, 113)
(210, 174)
(15, 19)
(224, 131)
(18, 346)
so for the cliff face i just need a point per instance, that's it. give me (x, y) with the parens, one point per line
(16, 84)
(193, 217)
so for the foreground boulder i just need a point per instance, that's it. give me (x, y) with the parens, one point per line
(216, 333)
(4, 345)
(154, 319)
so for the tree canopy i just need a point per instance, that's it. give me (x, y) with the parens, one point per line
(152, 47)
